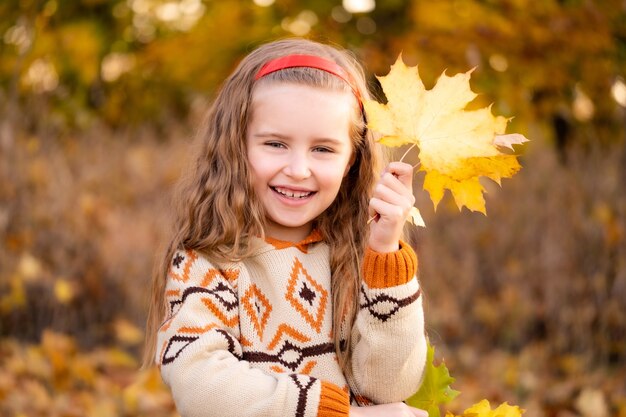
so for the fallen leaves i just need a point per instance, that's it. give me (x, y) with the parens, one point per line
(56, 378)
(592, 403)
(456, 146)
(483, 409)
(127, 333)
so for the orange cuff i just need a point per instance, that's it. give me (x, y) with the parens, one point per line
(384, 270)
(334, 402)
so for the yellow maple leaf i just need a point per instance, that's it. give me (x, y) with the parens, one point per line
(483, 409)
(456, 146)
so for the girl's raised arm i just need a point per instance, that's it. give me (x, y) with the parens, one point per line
(389, 342)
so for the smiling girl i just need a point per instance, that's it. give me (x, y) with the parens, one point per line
(274, 297)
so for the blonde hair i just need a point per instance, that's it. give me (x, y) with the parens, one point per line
(217, 212)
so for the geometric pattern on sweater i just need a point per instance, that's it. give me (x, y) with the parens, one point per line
(291, 356)
(220, 300)
(258, 308)
(178, 343)
(304, 384)
(307, 296)
(383, 306)
(176, 301)
(285, 330)
(289, 351)
(175, 346)
(180, 268)
(231, 274)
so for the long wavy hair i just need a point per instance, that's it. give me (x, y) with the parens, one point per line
(216, 210)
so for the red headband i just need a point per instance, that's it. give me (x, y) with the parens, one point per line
(311, 61)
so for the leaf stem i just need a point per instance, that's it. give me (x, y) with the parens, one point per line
(374, 217)
(407, 151)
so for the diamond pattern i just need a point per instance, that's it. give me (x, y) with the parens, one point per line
(258, 308)
(307, 296)
(175, 346)
(290, 356)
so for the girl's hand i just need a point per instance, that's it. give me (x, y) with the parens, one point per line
(392, 200)
(387, 410)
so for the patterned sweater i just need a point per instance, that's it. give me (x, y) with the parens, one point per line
(254, 338)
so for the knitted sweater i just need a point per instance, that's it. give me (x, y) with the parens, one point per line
(254, 338)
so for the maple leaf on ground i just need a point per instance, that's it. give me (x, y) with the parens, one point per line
(456, 146)
(435, 388)
(483, 409)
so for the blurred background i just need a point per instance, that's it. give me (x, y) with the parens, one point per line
(99, 101)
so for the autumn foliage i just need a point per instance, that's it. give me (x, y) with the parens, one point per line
(99, 100)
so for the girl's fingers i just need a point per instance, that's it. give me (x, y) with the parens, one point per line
(396, 184)
(398, 177)
(388, 194)
(389, 207)
(387, 210)
(402, 171)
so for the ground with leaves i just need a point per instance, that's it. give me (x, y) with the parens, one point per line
(55, 378)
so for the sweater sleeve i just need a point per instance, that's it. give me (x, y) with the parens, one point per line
(389, 342)
(200, 355)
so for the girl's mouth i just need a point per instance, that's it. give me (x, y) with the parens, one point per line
(292, 193)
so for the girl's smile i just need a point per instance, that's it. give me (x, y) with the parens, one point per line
(299, 150)
(292, 192)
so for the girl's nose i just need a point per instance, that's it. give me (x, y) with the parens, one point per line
(298, 167)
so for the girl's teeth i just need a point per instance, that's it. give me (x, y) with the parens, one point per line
(292, 194)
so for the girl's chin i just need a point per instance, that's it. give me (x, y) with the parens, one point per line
(288, 231)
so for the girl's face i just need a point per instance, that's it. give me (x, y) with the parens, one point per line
(299, 151)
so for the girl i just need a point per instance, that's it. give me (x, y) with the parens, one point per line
(275, 298)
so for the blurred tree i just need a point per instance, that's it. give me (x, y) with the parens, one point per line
(146, 61)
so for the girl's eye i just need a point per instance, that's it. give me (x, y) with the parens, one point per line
(275, 144)
(323, 149)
